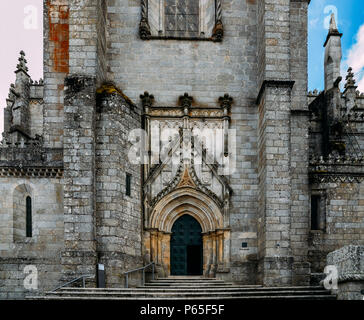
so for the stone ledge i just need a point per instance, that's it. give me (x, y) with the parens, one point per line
(273, 83)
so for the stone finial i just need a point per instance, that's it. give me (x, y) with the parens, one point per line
(147, 99)
(350, 81)
(225, 101)
(186, 100)
(22, 65)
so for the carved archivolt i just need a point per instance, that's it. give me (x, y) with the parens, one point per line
(182, 200)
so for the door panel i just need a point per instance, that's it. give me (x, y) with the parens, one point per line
(186, 246)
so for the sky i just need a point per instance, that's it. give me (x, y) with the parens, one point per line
(21, 28)
(350, 21)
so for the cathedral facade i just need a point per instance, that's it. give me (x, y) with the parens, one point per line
(182, 133)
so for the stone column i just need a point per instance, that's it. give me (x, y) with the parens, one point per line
(274, 130)
(166, 252)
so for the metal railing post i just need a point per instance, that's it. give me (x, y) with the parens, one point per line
(138, 269)
(83, 281)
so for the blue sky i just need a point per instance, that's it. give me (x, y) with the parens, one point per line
(350, 17)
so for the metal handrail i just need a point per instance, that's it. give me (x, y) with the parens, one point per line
(126, 274)
(83, 277)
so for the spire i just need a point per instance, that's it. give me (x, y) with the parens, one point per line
(22, 65)
(333, 30)
(333, 55)
(333, 27)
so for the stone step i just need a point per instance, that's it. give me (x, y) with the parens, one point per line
(185, 278)
(186, 281)
(178, 284)
(183, 288)
(186, 290)
(195, 293)
(267, 297)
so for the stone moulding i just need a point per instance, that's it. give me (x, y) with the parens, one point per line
(31, 172)
(186, 107)
(146, 34)
(336, 169)
(351, 277)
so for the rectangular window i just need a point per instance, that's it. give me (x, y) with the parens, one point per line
(182, 18)
(28, 216)
(317, 213)
(128, 184)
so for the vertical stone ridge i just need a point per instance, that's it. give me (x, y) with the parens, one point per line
(56, 67)
(79, 255)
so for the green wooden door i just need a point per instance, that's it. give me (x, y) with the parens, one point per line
(186, 246)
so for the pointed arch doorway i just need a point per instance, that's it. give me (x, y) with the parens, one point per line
(215, 233)
(186, 246)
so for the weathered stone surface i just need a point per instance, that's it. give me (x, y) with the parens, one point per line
(66, 144)
(349, 261)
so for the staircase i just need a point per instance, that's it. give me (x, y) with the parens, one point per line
(191, 288)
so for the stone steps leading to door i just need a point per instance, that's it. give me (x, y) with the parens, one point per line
(191, 288)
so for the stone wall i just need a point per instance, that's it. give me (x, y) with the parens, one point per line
(349, 261)
(56, 67)
(119, 216)
(207, 70)
(344, 222)
(79, 256)
(44, 247)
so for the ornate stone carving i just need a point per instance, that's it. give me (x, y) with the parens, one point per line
(226, 101)
(186, 180)
(144, 28)
(186, 101)
(218, 31)
(22, 65)
(147, 99)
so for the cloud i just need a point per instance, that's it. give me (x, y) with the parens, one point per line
(314, 23)
(356, 58)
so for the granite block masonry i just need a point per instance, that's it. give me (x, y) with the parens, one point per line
(114, 69)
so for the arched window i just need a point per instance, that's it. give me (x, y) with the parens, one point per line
(22, 213)
(28, 228)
